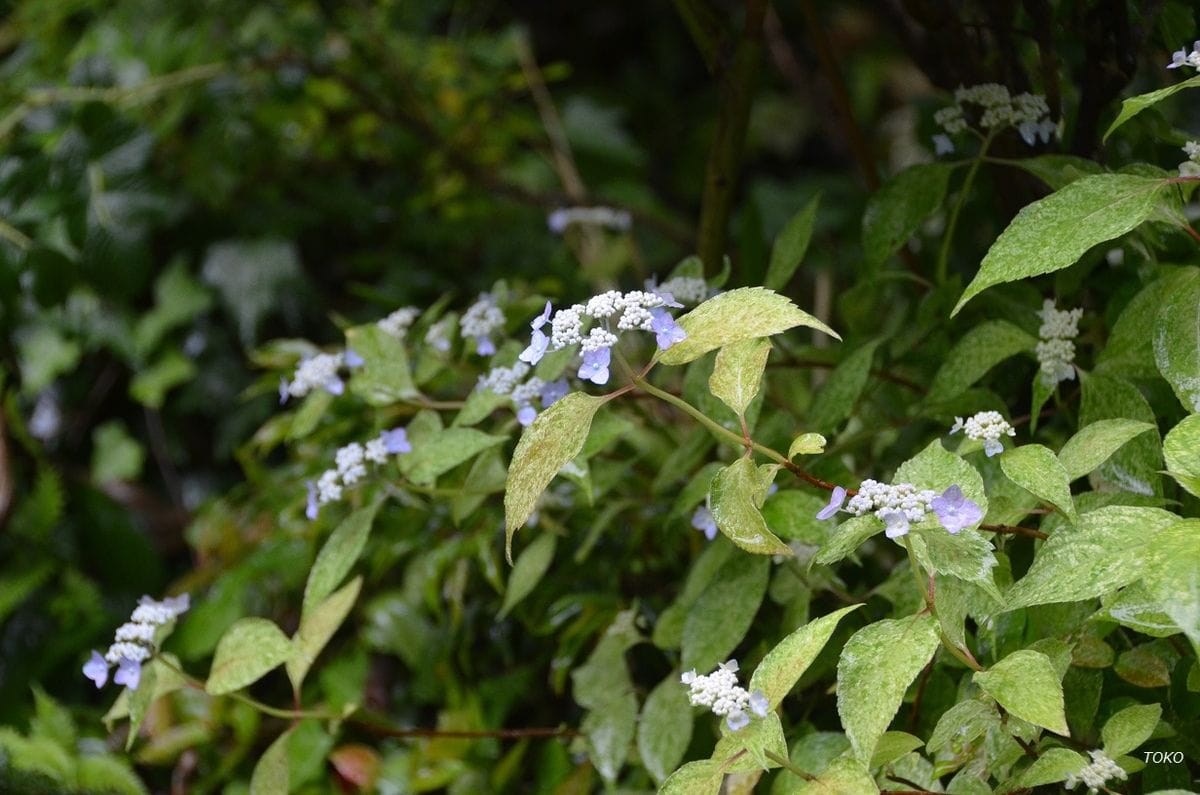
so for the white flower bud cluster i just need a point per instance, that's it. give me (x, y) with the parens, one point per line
(1029, 113)
(526, 393)
(350, 467)
(721, 693)
(1191, 166)
(134, 640)
(566, 326)
(684, 289)
(398, 322)
(1185, 58)
(878, 498)
(986, 427)
(1095, 773)
(482, 318)
(315, 373)
(1056, 350)
(502, 380)
(438, 336)
(560, 219)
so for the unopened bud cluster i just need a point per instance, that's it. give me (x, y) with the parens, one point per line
(398, 322)
(595, 327)
(350, 466)
(560, 219)
(684, 289)
(1191, 166)
(134, 642)
(721, 693)
(994, 109)
(1185, 58)
(986, 427)
(315, 372)
(508, 381)
(481, 320)
(882, 498)
(1056, 350)
(1096, 773)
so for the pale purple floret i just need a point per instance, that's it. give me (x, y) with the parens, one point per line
(311, 506)
(835, 503)
(526, 415)
(554, 391)
(942, 145)
(335, 386)
(666, 331)
(396, 440)
(955, 511)
(484, 345)
(129, 673)
(595, 366)
(896, 521)
(96, 669)
(737, 720)
(759, 704)
(538, 340)
(353, 359)
(1178, 59)
(284, 392)
(992, 446)
(703, 521)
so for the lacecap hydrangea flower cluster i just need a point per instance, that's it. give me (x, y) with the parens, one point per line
(986, 427)
(1056, 350)
(595, 327)
(322, 371)
(993, 110)
(135, 642)
(721, 693)
(901, 504)
(350, 466)
(524, 391)
(1096, 772)
(481, 320)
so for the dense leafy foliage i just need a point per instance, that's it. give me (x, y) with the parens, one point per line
(382, 335)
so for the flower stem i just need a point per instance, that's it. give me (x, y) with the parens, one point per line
(964, 191)
(787, 764)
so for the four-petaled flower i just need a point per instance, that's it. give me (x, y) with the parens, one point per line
(595, 366)
(396, 440)
(955, 511)
(666, 331)
(703, 521)
(539, 341)
(896, 521)
(96, 669)
(129, 673)
(526, 415)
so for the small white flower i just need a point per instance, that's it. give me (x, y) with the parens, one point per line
(317, 372)
(136, 632)
(598, 338)
(1096, 773)
(398, 322)
(566, 327)
(1056, 351)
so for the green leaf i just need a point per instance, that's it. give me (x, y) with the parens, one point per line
(384, 377)
(734, 501)
(746, 749)
(1095, 443)
(723, 614)
(962, 725)
(271, 774)
(528, 571)
(443, 451)
(313, 409)
(1026, 685)
(1129, 350)
(338, 555)
(178, 299)
(1108, 548)
(140, 701)
(45, 354)
(109, 774)
(979, 350)
(479, 404)
(1172, 576)
(738, 371)
(791, 245)
(1181, 449)
(1177, 337)
(1058, 171)
(783, 666)
(695, 778)
(741, 314)
(248, 650)
(1129, 728)
(877, 665)
(150, 386)
(848, 537)
(51, 720)
(841, 391)
(896, 211)
(317, 627)
(1054, 232)
(609, 732)
(1037, 470)
(116, 455)
(665, 727)
(1134, 467)
(1135, 105)
(668, 632)
(792, 515)
(1051, 766)
(806, 444)
(892, 746)
(843, 776)
(554, 438)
